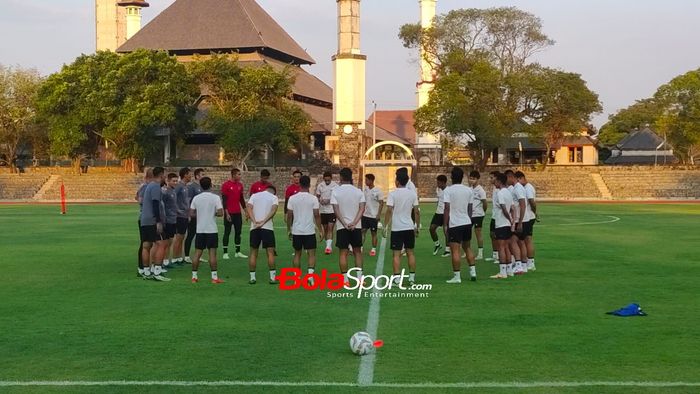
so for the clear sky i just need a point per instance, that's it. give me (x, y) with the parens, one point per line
(625, 49)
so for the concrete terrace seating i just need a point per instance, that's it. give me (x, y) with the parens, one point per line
(102, 187)
(558, 184)
(20, 186)
(652, 183)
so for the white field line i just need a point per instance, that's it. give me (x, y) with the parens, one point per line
(426, 385)
(365, 375)
(612, 219)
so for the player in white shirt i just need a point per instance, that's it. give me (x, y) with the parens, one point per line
(479, 208)
(400, 204)
(324, 190)
(492, 227)
(503, 214)
(349, 206)
(303, 220)
(374, 203)
(531, 213)
(458, 212)
(518, 240)
(262, 207)
(205, 207)
(439, 218)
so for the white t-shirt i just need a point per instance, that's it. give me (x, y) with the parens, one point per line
(518, 194)
(459, 197)
(373, 197)
(440, 202)
(402, 200)
(348, 199)
(411, 186)
(530, 194)
(504, 199)
(303, 205)
(494, 201)
(262, 203)
(478, 205)
(323, 192)
(206, 204)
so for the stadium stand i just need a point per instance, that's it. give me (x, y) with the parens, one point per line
(20, 186)
(99, 187)
(651, 182)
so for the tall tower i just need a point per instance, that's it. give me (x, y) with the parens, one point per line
(349, 81)
(133, 15)
(427, 144)
(110, 25)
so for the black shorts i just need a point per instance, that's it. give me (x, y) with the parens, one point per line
(438, 220)
(345, 238)
(262, 236)
(503, 233)
(305, 242)
(403, 239)
(181, 226)
(206, 241)
(327, 218)
(150, 234)
(492, 227)
(169, 230)
(478, 222)
(460, 234)
(369, 223)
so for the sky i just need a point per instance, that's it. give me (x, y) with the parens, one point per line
(624, 49)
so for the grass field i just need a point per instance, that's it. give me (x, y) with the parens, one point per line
(72, 309)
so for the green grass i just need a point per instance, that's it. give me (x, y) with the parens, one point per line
(72, 309)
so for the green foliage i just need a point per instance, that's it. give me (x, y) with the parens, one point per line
(249, 107)
(117, 100)
(18, 123)
(556, 104)
(638, 115)
(680, 116)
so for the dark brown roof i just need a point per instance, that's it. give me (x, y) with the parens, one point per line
(644, 139)
(321, 117)
(398, 123)
(205, 26)
(384, 135)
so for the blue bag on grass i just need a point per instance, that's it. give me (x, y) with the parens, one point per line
(629, 310)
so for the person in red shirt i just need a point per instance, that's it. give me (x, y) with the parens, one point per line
(262, 184)
(234, 200)
(292, 189)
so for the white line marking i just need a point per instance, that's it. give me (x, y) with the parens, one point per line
(365, 375)
(427, 385)
(613, 219)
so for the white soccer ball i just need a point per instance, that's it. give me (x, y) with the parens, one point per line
(361, 343)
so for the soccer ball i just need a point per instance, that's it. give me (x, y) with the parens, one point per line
(361, 343)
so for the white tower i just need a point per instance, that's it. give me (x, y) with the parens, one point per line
(110, 25)
(349, 70)
(427, 74)
(133, 15)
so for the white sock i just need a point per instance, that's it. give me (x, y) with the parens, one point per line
(411, 276)
(518, 265)
(311, 271)
(329, 242)
(495, 255)
(194, 275)
(252, 276)
(147, 271)
(166, 262)
(472, 270)
(504, 269)
(273, 275)
(524, 267)
(157, 270)
(458, 275)
(214, 275)
(447, 249)
(481, 251)
(509, 269)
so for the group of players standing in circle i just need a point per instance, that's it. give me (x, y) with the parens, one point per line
(179, 208)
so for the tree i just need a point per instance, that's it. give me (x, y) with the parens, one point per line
(470, 106)
(557, 104)
(18, 125)
(118, 101)
(679, 103)
(506, 36)
(638, 115)
(249, 108)
(479, 57)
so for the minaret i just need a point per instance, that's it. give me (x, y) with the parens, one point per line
(110, 25)
(349, 80)
(427, 142)
(133, 15)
